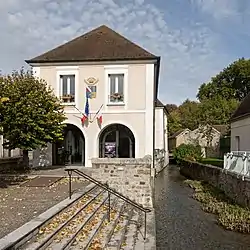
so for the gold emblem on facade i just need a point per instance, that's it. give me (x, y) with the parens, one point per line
(91, 81)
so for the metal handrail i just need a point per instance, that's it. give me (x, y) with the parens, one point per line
(109, 190)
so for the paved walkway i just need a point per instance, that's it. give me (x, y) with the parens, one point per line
(180, 222)
(58, 171)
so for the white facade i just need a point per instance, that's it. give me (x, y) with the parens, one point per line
(240, 134)
(135, 111)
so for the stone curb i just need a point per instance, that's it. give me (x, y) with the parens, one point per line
(22, 234)
(150, 242)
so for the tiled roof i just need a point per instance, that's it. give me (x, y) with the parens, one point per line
(223, 129)
(243, 109)
(100, 44)
(161, 105)
(178, 132)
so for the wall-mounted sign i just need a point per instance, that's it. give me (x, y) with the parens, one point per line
(110, 149)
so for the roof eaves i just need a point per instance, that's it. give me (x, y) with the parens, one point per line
(29, 61)
(240, 117)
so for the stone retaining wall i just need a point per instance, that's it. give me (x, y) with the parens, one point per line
(233, 185)
(10, 164)
(131, 177)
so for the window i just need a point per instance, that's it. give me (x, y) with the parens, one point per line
(116, 88)
(237, 138)
(67, 88)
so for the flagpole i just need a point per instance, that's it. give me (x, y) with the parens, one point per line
(78, 110)
(98, 111)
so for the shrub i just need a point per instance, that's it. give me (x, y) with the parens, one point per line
(187, 152)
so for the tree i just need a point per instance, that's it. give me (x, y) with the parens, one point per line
(189, 114)
(231, 83)
(215, 111)
(33, 116)
(184, 116)
(3, 101)
(171, 107)
(174, 122)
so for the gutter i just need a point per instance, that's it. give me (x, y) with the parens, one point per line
(156, 85)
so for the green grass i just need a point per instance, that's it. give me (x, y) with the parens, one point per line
(213, 161)
(229, 215)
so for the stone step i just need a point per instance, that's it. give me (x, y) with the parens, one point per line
(133, 231)
(120, 229)
(93, 221)
(78, 233)
(53, 228)
(87, 237)
(106, 231)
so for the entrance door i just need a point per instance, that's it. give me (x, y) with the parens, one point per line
(72, 149)
(117, 141)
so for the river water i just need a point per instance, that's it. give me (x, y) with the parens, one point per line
(180, 222)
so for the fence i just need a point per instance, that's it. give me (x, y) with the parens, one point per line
(238, 162)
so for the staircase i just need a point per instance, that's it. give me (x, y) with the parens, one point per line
(96, 220)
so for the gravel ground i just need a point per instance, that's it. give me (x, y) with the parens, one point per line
(19, 205)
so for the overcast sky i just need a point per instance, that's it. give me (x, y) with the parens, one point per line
(195, 38)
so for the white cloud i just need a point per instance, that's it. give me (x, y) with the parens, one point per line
(189, 55)
(220, 9)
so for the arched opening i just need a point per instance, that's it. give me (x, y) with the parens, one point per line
(71, 150)
(117, 141)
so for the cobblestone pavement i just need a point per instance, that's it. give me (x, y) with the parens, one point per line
(18, 204)
(180, 222)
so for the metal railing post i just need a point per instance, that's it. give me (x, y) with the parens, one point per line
(70, 183)
(110, 191)
(109, 203)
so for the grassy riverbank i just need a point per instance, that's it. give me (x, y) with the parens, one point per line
(230, 215)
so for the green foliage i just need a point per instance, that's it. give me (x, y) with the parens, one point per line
(174, 122)
(213, 161)
(230, 215)
(233, 82)
(184, 116)
(225, 144)
(171, 107)
(32, 116)
(187, 152)
(216, 111)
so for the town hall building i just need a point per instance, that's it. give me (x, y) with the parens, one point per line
(108, 86)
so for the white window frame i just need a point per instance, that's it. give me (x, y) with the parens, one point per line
(116, 70)
(59, 84)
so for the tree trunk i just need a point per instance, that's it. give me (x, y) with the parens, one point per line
(25, 159)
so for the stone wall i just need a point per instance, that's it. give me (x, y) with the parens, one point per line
(232, 184)
(10, 164)
(130, 177)
(160, 161)
(41, 157)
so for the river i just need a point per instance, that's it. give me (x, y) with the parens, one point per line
(180, 222)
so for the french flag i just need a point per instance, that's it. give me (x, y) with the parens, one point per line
(88, 92)
(99, 118)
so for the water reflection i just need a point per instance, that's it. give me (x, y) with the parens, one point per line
(180, 222)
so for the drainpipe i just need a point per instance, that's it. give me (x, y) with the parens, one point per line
(156, 83)
(153, 157)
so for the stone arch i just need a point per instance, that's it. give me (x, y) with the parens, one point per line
(117, 141)
(72, 148)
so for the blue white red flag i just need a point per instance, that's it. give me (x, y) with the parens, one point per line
(88, 92)
(87, 107)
